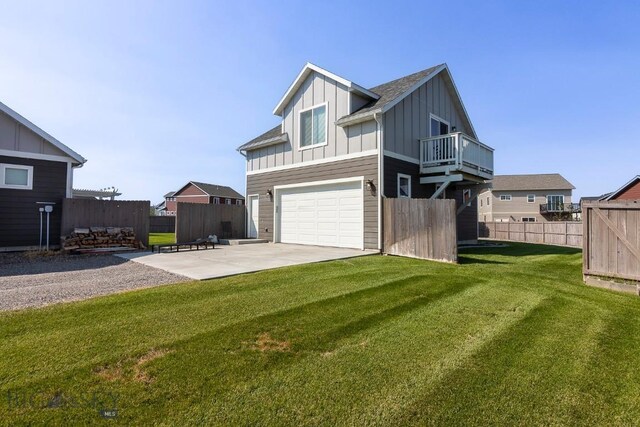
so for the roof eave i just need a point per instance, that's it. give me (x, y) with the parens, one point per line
(265, 143)
(358, 118)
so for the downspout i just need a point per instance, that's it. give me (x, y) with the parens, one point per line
(379, 123)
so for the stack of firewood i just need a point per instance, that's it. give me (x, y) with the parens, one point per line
(101, 237)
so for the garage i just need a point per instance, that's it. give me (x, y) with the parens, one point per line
(328, 214)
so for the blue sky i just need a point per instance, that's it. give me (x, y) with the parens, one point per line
(155, 94)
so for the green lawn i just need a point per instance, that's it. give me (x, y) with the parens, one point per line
(509, 336)
(161, 238)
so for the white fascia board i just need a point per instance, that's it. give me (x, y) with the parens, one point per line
(615, 193)
(306, 70)
(44, 135)
(36, 156)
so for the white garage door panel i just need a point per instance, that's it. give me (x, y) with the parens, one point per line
(326, 215)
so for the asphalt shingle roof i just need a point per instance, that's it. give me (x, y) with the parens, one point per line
(264, 139)
(218, 190)
(550, 181)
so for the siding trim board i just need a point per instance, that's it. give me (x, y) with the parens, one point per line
(314, 162)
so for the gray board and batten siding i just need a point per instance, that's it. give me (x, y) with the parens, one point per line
(317, 89)
(408, 121)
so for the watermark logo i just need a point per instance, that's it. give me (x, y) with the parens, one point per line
(105, 403)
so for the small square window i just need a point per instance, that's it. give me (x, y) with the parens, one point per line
(228, 201)
(238, 202)
(531, 198)
(505, 198)
(528, 219)
(216, 200)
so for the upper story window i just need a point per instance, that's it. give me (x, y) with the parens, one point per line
(238, 202)
(17, 177)
(216, 200)
(505, 198)
(404, 185)
(228, 201)
(531, 198)
(438, 126)
(313, 126)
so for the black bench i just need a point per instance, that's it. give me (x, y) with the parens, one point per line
(197, 244)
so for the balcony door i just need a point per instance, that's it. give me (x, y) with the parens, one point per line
(443, 148)
(555, 203)
(438, 126)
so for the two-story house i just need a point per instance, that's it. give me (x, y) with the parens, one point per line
(528, 198)
(199, 192)
(319, 176)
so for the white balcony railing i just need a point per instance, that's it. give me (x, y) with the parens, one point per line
(456, 152)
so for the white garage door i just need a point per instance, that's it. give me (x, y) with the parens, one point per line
(323, 215)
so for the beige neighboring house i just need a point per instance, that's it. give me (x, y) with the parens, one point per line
(528, 198)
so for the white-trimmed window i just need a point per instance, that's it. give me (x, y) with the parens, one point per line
(17, 177)
(216, 200)
(238, 202)
(505, 197)
(528, 219)
(404, 185)
(228, 201)
(437, 126)
(531, 198)
(313, 126)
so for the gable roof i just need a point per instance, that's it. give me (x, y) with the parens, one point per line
(213, 190)
(616, 193)
(383, 97)
(310, 68)
(42, 134)
(549, 181)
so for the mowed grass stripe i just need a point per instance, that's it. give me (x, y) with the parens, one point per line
(510, 335)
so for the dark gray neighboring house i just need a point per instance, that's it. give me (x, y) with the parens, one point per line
(35, 168)
(320, 175)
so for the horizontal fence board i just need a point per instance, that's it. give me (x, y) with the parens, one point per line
(420, 228)
(200, 220)
(78, 213)
(561, 233)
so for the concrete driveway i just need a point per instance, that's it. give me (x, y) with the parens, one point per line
(237, 259)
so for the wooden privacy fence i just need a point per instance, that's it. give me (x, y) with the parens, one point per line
(199, 220)
(421, 228)
(562, 233)
(106, 213)
(612, 244)
(162, 224)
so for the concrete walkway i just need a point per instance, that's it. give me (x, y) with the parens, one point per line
(229, 260)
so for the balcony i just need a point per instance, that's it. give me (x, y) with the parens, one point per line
(456, 152)
(560, 208)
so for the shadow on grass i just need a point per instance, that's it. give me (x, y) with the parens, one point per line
(469, 260)
(515, 249)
